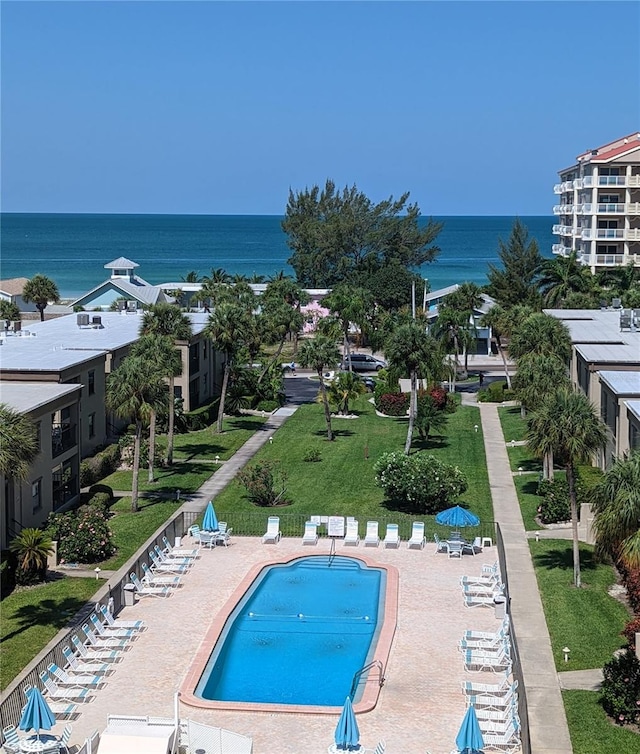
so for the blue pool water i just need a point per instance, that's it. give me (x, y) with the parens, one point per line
(298, 635)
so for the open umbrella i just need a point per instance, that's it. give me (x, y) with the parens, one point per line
(37, 714)
(456, 517)
(347, 735)
(469, 739)
(210, 520)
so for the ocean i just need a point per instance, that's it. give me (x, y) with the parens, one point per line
(73, 249)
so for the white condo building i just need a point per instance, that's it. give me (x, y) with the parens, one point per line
(599, 210)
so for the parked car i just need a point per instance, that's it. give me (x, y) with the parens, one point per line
(363, 362)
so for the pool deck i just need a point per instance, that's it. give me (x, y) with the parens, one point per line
(420, 707)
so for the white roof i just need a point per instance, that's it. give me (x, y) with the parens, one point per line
(602, 353)
(622, 382)
(29, 396)
(135, 287)
(121, 263)
(634, 407)
(597, 337)
(60, 343)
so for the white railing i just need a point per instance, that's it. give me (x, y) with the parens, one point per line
(561, 250)
(612, 180)
(633, 234)
(563, 230)
(587, 181)
(567, 186)
(611, 209)
(633, 181)
(563, 209)
(586, 209)
(557, 189)
(609, 260)
(633, 208)
(576, 232)
(615, 233)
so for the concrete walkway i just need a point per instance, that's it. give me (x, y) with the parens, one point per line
(582, 680)
(547, 722)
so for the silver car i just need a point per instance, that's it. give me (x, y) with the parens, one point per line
(363, 362)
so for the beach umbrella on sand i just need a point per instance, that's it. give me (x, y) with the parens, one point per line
(37, 714)
(210, 520)
(457, 517)
(347, 735)
(469, 739)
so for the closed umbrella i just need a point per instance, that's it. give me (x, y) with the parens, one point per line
(456, 517)
(37, 714)
(469, 739)
(347, 735)
(210, 520)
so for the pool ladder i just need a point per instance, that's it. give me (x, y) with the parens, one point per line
(359, 673)
(332, 551)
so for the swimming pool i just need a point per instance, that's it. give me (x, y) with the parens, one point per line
(296, 636)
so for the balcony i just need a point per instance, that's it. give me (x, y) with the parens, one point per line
(557, 189)
(63, 438)
(587, 181)
(609, 260)
(633, 234)
(633, 208)
(633, 181)
(566, 186)
(610, 209)
(63, 490)
(563, 209)
(612, 180)
(561, 250)
(562, 230)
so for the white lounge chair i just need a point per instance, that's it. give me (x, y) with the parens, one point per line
(352, 537)
(480, 580)
(496, 640)
(149, 590)
(11, 740)
(498, 720)
(71, 679)
(493, 689)
(501, 727)
(173, 560)
(160, 566)
(489, 647)
(310, 536)
(502, 630)
(483, 590)
(104, 642)
(55, 692)
(371, 538)
(138, 625)
(64, 739)
(483, 661)
(92, 653)
(392, 536)
(273, 533)
(59, 709)
(104, 629)
(179, 552)
(154, 579)
(417, 538)
(493, 701)
(80, 666)
(481, 600)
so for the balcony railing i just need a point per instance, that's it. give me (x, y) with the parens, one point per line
(557, 189)
(633, 208)
(609, 260)
(611, 209)
(63, 491)
(63, 437)
(633, 181)
(561, 250)
(563, 209)
(632, 234)
(612, 180)
(586, 182)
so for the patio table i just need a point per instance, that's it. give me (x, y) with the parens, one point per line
(44, 743)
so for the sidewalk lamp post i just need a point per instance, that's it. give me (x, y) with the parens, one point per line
(566, 651)
(97, 572)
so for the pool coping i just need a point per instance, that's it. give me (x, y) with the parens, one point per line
(372, 687)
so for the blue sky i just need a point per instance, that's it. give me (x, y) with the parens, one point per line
(220, 107)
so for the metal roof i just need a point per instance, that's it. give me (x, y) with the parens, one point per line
(121, 263)
(30, 396)
(634, 407)
(622, 382)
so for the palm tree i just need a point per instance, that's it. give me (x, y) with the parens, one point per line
(320, 354)
(226, 328)
(429, 417)
(9, 312)
(279, 320)
(540, 333)
(616, 504)
(32, 548)
(568, 424)
(498, 321)
(562, 276)
(168, 321)
(449, 329)
(349, 304)
(41, 290)
(134, 391)
(410, 348)
(191, 277)
(160, 351)
(18, 443)
(346, 387)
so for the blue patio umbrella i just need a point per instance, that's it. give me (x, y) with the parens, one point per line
(210, 520)
(469, 739)
(37, 714)
(347, 735)
(456, 517)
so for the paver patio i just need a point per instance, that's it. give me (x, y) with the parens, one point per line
(421, 704)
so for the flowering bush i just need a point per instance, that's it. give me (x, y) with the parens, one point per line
(393, 404)
(555, 506)
(630, 630)
(631, 580)
(621, 688)
(83, 535)
(420, 481)
(265, 483)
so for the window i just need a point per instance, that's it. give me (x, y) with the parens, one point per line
(194, 358)
(608, 224)
(605, 249)
(609, 199)
(39, 435)
(92, 424)
(92, 382)
(36, 495)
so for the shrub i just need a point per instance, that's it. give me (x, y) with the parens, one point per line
(621, 688)
(630, 630)
(83, 535)
(393, 404)
(100, 465)
(126, 444)
(420, 481)
(267, 406)
(312, 456)
(631, 580)
(495, 392)
(101, 502)
(32, 548)
(556, 506)
(201, 418)
(264, 482)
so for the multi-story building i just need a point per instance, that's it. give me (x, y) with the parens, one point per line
(599, 210)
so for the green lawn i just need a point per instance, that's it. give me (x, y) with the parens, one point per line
(591, 730)
(526, 487)
(205, 444)
(343, 482)
(514, 426)
(32, 616)
(130, 530)
(183, 475)
(586, 620)
(521, 458)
